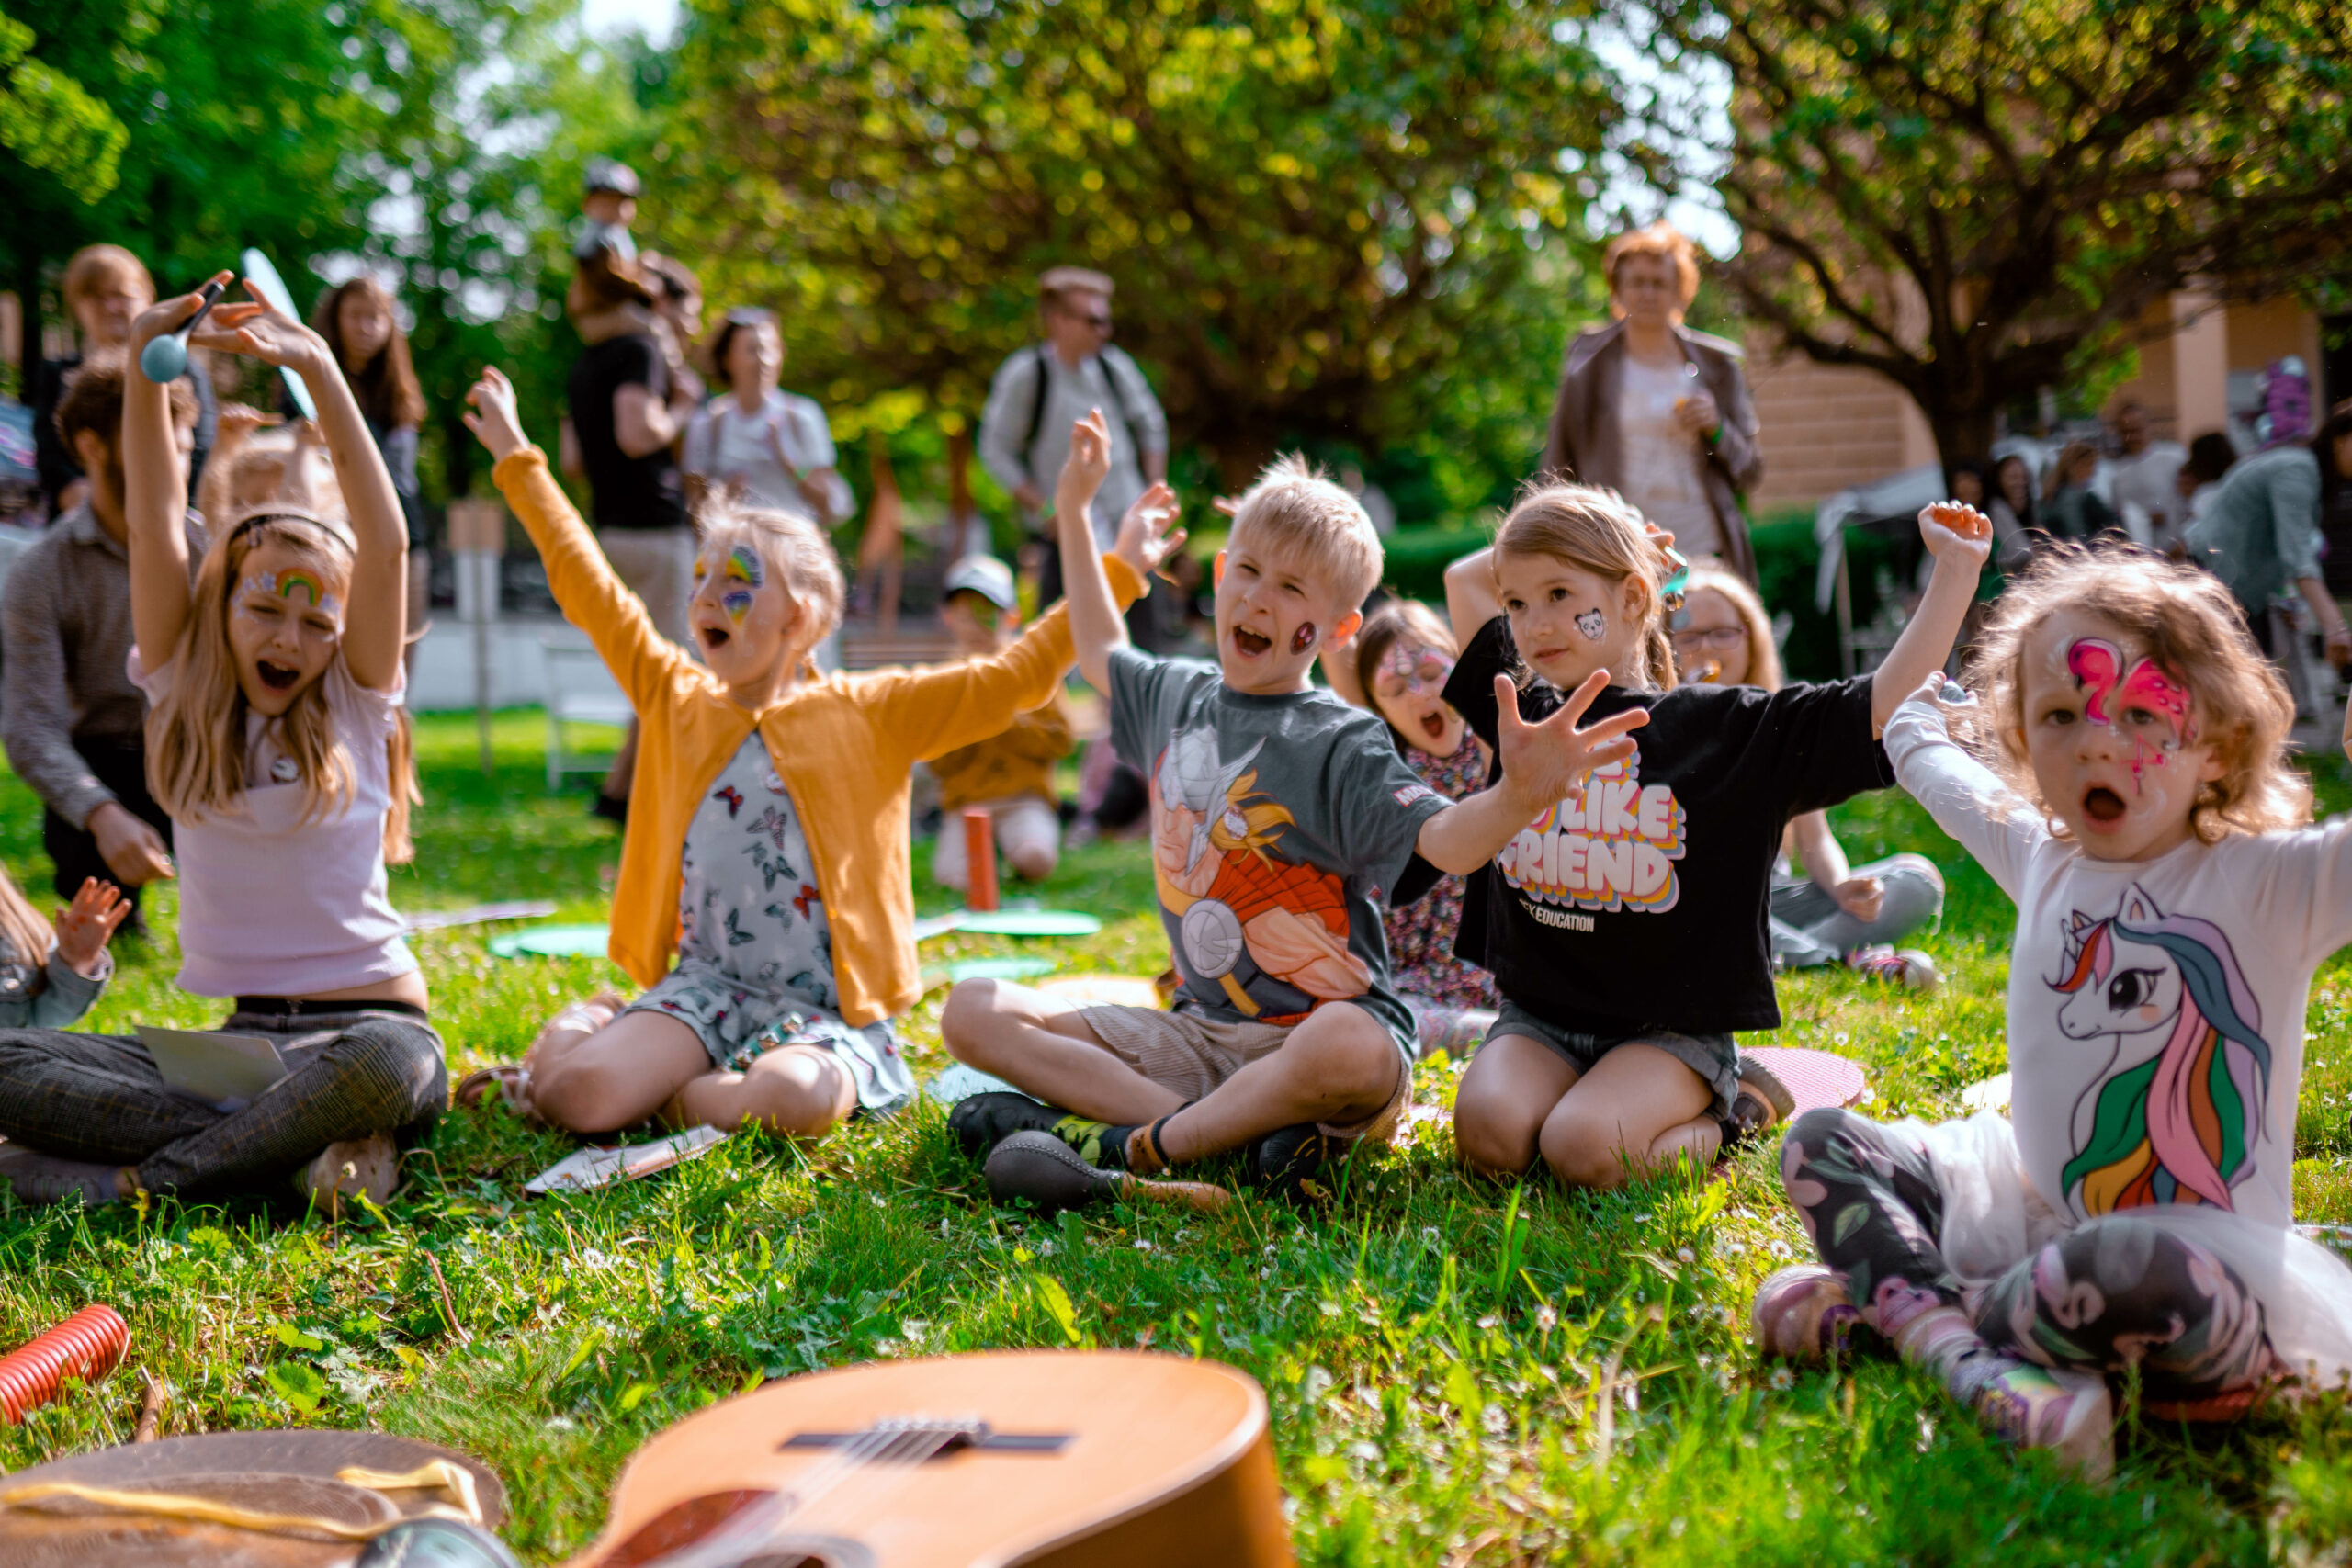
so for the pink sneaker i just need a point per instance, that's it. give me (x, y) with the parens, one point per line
(2070, 1413)
(1908, 967)
(1803, 1314)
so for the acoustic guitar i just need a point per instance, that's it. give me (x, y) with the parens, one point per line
(1055, 1459)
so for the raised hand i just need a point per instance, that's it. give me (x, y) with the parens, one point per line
(165, 315)
(258, 330)
(84, 926)
(1956, 531)
(1543, 761)
(1088, 464)
(1144, 539)
(494, 422)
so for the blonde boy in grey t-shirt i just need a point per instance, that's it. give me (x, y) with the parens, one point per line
(1282, 821)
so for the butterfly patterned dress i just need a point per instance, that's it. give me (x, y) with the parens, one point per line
(755, 953)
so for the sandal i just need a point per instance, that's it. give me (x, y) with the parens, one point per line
(1762, 1103)
(508, 1082)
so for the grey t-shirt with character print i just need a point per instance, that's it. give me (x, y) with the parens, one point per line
(1279, 826)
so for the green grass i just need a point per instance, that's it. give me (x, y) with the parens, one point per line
(1459, 1373)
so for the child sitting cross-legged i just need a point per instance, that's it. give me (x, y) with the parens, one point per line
(2122, 774)
(1281, 822)
(764, 897)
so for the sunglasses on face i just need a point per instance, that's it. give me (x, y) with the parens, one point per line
(1100, 324)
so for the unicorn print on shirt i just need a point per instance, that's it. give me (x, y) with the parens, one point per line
(2175, 1115)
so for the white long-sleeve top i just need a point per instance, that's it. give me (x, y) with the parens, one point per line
(2155, 1020)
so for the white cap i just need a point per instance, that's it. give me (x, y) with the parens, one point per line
(986, 576)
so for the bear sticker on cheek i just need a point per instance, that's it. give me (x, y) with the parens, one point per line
(1303, 638)
(1592, 623)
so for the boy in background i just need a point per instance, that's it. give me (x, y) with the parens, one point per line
(1011, 773)
(1283, 821)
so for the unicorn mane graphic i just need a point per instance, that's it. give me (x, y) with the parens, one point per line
(2175, 1113)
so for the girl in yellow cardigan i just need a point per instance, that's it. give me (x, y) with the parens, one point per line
(766, 851)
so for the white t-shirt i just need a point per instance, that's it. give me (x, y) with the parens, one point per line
(271, 905)
(2146, 487)
(725, 445)
(2155, 1022)
(1661, 459)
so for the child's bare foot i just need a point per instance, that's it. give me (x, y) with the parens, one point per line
(343, 1172)
(45, 1179)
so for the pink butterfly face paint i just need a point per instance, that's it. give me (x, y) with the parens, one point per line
(2124, 700)
(1423, 671)
(1303, 638)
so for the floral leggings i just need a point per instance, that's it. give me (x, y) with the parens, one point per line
(2111, 1293)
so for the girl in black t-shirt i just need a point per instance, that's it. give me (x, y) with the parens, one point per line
(1627, 927)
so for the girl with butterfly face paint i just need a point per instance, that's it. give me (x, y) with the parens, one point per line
(2122, 774)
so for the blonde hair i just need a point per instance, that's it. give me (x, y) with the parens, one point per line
(195, 732)
(21, 925)
(1763, 654)
(1297, 508)
(790, 546)
(1598, 531)
(1663, 240)
(94, 264)
(2190, 627)
(270, 470)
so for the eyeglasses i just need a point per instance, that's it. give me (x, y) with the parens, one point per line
(1100, 324)
(1721, 640)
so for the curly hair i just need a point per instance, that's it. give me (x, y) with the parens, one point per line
(2189, 626)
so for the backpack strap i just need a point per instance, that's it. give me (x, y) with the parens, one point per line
(1037, 402)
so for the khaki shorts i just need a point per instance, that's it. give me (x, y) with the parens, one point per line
(1192, 1055)
(658, 565)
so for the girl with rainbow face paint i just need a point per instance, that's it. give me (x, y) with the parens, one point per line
(747, 625)
(285, 619)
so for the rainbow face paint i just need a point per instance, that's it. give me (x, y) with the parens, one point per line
(1303, 638)
(299, 586)
(742, 573)
(2113, 692)
(1423, 671)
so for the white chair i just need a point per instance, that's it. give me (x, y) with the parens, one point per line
(580, 691)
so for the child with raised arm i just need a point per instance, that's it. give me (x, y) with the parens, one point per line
(2122, 774)
(1282, 821)
(277, 740)
(1626, 922)
(764, 900)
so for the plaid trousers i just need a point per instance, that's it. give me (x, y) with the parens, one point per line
(99, 1098)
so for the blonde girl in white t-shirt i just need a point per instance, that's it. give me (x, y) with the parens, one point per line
(2121, 772)
(277, 740)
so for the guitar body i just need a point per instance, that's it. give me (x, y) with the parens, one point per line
(1082, 1459)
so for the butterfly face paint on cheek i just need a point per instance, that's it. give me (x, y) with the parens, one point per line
(742, 573)
(2114, 692)
(1303, 638)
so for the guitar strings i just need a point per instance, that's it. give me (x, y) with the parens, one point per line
(869, 1450)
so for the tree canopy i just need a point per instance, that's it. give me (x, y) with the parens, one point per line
(1980, 200)
(1317, 212)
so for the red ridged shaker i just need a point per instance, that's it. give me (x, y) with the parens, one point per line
(88, 1346)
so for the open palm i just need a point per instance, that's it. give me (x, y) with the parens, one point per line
(1543, 761)
(256, 330)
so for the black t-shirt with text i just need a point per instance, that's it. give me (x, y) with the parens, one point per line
(624, 491)
(1639, 902)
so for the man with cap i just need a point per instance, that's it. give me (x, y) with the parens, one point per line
(609, 204)
(1045, 388)
(1011, 773)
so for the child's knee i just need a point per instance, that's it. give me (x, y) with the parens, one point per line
(1032, 863)
(1583, 1149)
(395, 1070)
(1349, 1057)
(1494, 1135)
(967, 1023)
(580, 1096)
(1811, 1132)
(792, 1105)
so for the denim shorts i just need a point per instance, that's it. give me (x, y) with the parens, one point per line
(1712, 1057)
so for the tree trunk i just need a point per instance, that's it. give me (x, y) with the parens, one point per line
(1963, 432)
(28, 282)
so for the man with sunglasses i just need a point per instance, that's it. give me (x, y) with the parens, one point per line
(1042, 389)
